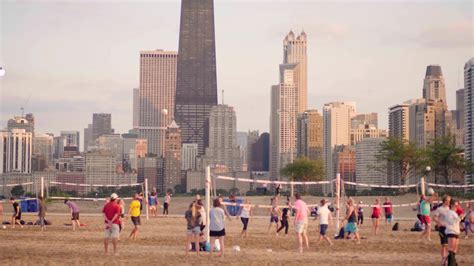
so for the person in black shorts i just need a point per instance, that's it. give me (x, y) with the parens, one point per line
(285, 216)
(16, 218)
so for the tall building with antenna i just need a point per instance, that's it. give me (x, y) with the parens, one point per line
(196, 84)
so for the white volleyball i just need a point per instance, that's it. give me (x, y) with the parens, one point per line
(164, 112)
(431, 191)
(236, 248)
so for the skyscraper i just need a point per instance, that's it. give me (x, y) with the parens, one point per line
(88, 137)
(196, 84)
(223, 150)
(310, 135)
(469, 114)
(101, 125)
(337, 124)
(294, 52)
(157, 97)
(366, 162)
(399, 121)
(434, 87)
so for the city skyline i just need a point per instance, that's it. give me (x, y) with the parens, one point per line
(53, 93)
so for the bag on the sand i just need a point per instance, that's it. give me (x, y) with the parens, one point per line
(418, 227)
(395, 227)
(341, 234)
(22, 222)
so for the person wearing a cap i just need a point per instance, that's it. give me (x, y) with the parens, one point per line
(111, 213)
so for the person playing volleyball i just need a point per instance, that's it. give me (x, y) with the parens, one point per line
(425, 211)
(301, 221)
(153, 200)
(376, 212)
(74, 214)
(388, 210)
(111, 213)
(134, 212)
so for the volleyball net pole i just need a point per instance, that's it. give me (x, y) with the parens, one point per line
(42, 187)
(423, 185)
(208, 201)
(338, 200)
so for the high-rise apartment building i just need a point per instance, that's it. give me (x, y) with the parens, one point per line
(469, 115)
(16, 148)
(172, 160)
(310, 135)
(100, 168)
(252, 138)
(222, 150)
(294, 52)
(367, 166)
(344, 163)
(26, 122)
(157, 96)
(112, 143)
(196, 84)
(283, 112)
(337, 125)
(399, 121)
(101, 125)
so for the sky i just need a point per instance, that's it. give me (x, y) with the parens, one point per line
(66, 60)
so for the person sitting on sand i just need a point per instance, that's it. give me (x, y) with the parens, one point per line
(111, 213)
(74, 209)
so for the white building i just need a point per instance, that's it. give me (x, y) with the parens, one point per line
(16, 151)
(189, 152)
(337, 128)
(43, 145)
(366, 131)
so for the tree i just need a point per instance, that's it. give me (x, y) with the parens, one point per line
(446, 159)
(404, 155)
(304, 169)
(17, 191)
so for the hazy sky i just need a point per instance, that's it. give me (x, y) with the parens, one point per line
(67, 60)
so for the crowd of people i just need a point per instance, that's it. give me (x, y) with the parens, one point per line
(449, 217)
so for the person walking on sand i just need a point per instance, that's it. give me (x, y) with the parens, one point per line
(301, 221)
(440, 216)
(245, 214)
(16, 217)
(111, 213)
(74, 209)
(376, 212)
(217, 226)
(166, 204)
(351, 218)
(468, 220)
(360, 214)
(325, 218)
(41, 213)
(274, 214)
(388, 210)
(285, 219)
(153, 203)
(193, 220)
(134, 213)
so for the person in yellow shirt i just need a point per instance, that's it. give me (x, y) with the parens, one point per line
(134, 213)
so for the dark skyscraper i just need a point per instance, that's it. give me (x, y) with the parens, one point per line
(196, 85)
(101, 125)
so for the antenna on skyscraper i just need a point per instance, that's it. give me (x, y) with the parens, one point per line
(222, 96)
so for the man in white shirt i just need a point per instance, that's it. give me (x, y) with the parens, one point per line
(324, 215)
(440, 217)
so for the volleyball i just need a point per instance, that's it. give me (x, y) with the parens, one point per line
(4, 227)
(431, 191)
(2, 71)
(236, 248)
(164, 112)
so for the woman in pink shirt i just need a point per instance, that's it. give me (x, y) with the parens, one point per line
(301, 221)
